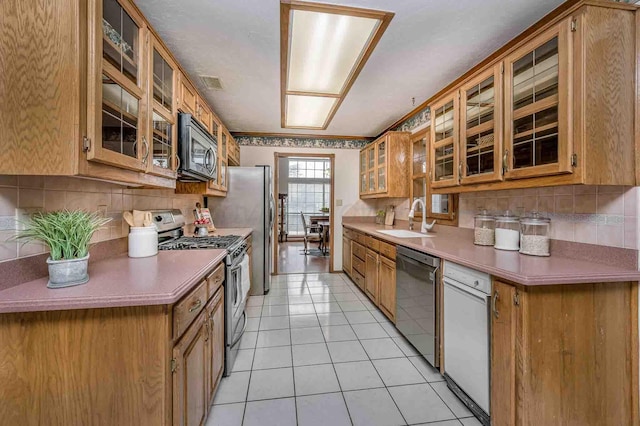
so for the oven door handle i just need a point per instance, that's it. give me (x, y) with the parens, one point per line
(472, 292)
(244, 328)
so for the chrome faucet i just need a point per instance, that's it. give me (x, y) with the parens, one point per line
(426, 227)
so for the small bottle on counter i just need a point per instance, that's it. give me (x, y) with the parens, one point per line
(507, 232)
(534, 235)
(484, 229)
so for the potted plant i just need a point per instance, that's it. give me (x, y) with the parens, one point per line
(67, 234)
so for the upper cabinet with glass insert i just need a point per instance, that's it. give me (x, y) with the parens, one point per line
(444, 142)
(481, 127)
(384, 167)
(537, 79)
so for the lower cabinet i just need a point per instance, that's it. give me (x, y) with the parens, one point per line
(371, 275)
(387, 287)
(564, 354)
(215, 348)
(372, 268)
(190, 379)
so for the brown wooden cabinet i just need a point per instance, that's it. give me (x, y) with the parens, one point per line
(188, 97)
(372, 262)
(384, 167)
(215, 348)
(189, 379)
(444, 151)
(387, 287)
(371, 265)
(564, 354)
(234, 152)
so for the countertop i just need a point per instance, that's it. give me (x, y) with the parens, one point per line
(118, 281)
(456, 245)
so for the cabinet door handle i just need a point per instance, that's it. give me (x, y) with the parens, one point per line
(459, 171)
(505, 158)
(178, 164)
(145, 157)
(207, 331)
(496, 296)
(196, 305)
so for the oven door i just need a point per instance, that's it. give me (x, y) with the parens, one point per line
(198, 151)
(235, 316)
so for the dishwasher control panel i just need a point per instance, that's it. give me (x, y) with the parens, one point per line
(467, 276)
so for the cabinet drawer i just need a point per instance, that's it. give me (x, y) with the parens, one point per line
(347, 233)
(358, 250)
(388, 250)
(373, 244)
(187, 309)
(357, 265)
(361, 238)
(358, 279)
(215, 280)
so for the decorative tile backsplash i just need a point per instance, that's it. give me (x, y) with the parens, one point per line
(37, 193)
(605, 215)
(297, 142)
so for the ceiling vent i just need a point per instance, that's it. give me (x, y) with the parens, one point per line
(210, 82)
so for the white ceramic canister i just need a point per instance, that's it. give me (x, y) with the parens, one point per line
(143, 241)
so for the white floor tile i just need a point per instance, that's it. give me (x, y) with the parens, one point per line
(318, 290)
(244, 360)
(304, 321)
(322, 410)
(428, 372)
(226, 415)
(396, 371)
(315, 353)
(352, 306)
(255, 301)
(302, 336)
(253, 324)
(444, 423)
(379, 316)
(405, 346)
(373, 407)
(253, 311)
(268, 384)
(274, 323)
(270, 338)
(390, 328)
(452, 401)
(314, 379)
(276, 357)
(275, 310)
(275, 412)
(322, 298)
(369, 331)
(347, 351)
(470, 421)
(233, 388)
(306, 309)
(325, 308)
(296, 300)
(346, 297)
(276, 300)
(248, 340)
(420, 404)
(337, 333)
(332, 318)
(382, 348)
(360, 317)
(358, 375)
(298, 291)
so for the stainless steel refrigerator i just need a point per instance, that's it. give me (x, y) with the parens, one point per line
(249, 204)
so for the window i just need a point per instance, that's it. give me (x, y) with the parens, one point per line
(309, 189)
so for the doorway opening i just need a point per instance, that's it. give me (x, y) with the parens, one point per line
(303, 229)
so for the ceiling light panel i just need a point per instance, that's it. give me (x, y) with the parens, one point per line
(308, 111)
(325, 48)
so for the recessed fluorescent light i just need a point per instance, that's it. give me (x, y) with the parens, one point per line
(323, 49)
(308, 111)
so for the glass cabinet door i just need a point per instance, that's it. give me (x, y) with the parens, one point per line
(371, 158)
(372, 181)
(120, 119)
(444, 137)
(537, 83)
(162, 81)
(480, 115)
(223, 145)
(120, 40)
(382, 166)
(162, 146)
(363, 183)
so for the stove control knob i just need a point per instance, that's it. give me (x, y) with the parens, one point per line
(158, 218)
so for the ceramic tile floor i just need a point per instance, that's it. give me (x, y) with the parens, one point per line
(318, 352)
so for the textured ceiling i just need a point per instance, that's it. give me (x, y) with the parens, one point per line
(428, 44)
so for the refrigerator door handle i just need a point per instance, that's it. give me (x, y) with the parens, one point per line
(271, 210)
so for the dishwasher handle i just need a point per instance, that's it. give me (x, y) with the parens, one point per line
(466, 289)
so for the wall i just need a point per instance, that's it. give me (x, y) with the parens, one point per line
(57, 193)
(346, 180)
(605, 215)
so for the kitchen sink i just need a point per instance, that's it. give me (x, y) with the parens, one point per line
(403, 233)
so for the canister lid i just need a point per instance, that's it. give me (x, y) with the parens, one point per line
(508, 216)
(535, 218)
(484, 215)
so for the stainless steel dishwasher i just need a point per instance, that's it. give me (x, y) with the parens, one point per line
(416, 295)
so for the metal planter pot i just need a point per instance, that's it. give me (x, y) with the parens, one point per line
(67, 273)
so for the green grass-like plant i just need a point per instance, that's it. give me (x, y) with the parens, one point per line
(67, 233)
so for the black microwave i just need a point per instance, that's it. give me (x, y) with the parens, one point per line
(198, 151)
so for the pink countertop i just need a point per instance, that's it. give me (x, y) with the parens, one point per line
(456, 245)
(119, 281)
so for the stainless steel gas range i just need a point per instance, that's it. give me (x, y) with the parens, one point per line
(170, 225)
